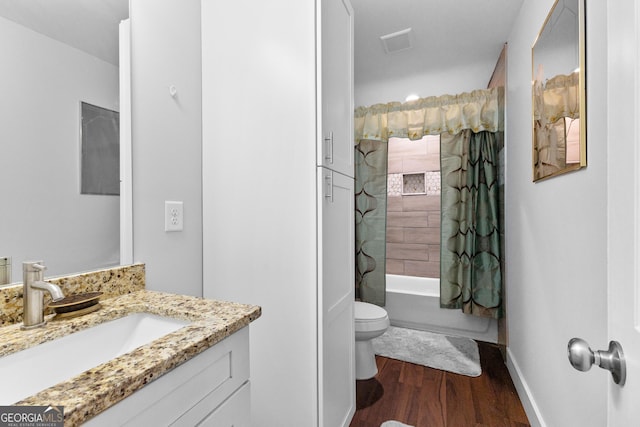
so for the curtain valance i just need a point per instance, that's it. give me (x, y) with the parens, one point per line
(558, 97)
(480, 110)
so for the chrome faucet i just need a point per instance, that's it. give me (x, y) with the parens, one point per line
(33, 287)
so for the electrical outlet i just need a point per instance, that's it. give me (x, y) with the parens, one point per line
(173, 216)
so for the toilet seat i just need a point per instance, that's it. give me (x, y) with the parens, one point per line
(370, 317)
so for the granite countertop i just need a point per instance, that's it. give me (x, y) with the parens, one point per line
(95, 390)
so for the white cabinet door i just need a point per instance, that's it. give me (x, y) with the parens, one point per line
(335, 144)
(336, 299)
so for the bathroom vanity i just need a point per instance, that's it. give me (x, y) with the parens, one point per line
(196, 375)
(210, 389)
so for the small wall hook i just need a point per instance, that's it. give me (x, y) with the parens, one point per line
(173, 91)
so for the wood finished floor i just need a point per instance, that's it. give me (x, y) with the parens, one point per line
(426, 397)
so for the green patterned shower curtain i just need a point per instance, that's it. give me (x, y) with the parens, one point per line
(371, 220)
(470, 242)
(470, 274)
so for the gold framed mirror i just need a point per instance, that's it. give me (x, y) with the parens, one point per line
(558, 92)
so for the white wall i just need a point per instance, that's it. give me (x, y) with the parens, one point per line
(259, 127)
(430, 83)
(166, 140)
(43, 214)
(556, 242)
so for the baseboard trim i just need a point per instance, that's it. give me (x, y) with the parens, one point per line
(528, 402)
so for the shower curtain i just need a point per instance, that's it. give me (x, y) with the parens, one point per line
(371, 220)
(469, 121)
(470, 253)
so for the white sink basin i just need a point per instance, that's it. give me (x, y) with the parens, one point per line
(26, 372)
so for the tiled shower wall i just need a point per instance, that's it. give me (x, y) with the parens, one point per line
(413, 221)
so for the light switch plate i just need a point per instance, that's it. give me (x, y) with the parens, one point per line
(173, 216)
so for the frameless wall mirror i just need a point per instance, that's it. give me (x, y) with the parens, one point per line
(56, 54)
(558, 82)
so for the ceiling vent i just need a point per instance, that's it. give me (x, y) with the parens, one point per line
(398, 41)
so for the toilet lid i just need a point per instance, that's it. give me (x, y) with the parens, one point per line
(365, 311)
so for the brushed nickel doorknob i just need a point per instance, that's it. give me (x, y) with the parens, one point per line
(582, 358)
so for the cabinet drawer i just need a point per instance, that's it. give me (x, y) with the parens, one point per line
(234, 412)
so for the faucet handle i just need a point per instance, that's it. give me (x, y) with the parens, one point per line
(39, 267)
(33, 266)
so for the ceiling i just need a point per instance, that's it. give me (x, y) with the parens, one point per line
(444, 34)
(88, 25)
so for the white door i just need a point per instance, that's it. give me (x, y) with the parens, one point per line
(336, 370)
(623, 163)
(335, 148)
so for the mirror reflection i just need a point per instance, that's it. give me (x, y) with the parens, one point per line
(559, 138)
(57, 54)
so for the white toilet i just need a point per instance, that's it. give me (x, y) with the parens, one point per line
(371, 321)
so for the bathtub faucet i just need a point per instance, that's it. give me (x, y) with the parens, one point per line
(33, 286)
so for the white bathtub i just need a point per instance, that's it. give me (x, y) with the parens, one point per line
(414, 302)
